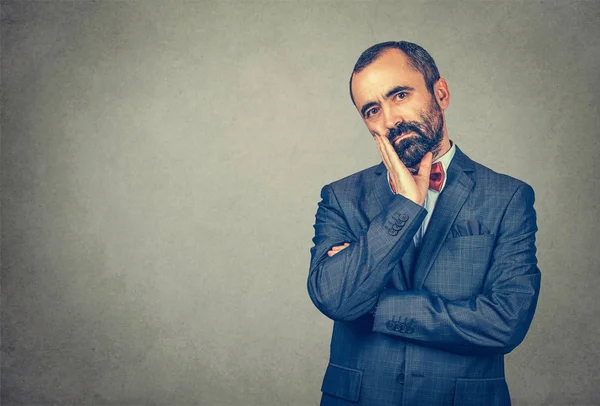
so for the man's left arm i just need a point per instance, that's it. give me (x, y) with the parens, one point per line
(494, 321)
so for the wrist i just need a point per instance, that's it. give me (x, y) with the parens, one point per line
(417, 200)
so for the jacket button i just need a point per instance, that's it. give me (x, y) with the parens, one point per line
(404, 217)
(400, 379)
(390, 325)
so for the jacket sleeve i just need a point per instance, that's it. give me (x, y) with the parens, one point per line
(494, 321)
(347, 285)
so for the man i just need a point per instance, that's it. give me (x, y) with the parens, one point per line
(427, 261)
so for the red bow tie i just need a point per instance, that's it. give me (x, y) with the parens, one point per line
(436, 178)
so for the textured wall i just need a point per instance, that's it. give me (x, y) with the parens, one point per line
(162, 162)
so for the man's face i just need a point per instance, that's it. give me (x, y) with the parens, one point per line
(394, 102)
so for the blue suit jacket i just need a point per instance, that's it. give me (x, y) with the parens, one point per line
(444, 321)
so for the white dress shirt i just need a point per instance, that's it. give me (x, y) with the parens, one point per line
(432, 195)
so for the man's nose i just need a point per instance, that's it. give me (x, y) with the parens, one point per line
(391, 118)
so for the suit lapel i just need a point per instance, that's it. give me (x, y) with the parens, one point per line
(455, 193)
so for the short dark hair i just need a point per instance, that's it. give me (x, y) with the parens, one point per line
(419, 60)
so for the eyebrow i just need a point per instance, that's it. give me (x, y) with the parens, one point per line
(390, 92)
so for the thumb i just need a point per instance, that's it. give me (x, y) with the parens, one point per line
(422, 177)
(425, 166)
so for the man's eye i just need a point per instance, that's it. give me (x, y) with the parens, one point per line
(370, 112)
(401, 95)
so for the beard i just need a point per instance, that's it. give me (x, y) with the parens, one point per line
(427, 135)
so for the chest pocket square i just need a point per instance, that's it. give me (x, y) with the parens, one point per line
(466, 234)
(465, 228)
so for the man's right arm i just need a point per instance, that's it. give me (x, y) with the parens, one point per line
(347, 285)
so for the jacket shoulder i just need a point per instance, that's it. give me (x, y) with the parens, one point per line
(358, 179)
(498, 182)
(491, 180)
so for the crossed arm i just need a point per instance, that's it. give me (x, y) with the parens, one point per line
(348, 274)
(347, 280)
(346, 283)
(493, 321)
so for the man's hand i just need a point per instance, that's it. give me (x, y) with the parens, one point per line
(413, 187)
(336, 249)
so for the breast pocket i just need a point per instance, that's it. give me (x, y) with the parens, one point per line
(470, 253)
(461, 266)
(469, 242)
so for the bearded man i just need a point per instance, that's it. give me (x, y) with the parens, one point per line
(425, 262)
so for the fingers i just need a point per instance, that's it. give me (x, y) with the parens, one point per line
(388, 154)
(339, 247)
(399, 173)
(425, 165)
(422, 177)
(382, 151)
(336, 249)
(413, 187)
(389, 151)
(397, 164)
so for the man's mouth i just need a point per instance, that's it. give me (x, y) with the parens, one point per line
(397, 138)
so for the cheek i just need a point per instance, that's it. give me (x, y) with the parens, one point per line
(375, 129)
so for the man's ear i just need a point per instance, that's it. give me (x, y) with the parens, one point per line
(441, 92)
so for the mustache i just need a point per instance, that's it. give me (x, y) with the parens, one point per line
(401, 129)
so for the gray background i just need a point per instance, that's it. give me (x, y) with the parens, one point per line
(162, 162)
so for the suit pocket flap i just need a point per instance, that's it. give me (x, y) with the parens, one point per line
(342, 382)
(481, 392)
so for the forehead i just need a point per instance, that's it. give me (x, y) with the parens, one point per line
(392, 68)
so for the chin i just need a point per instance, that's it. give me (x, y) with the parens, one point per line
(411, 159)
